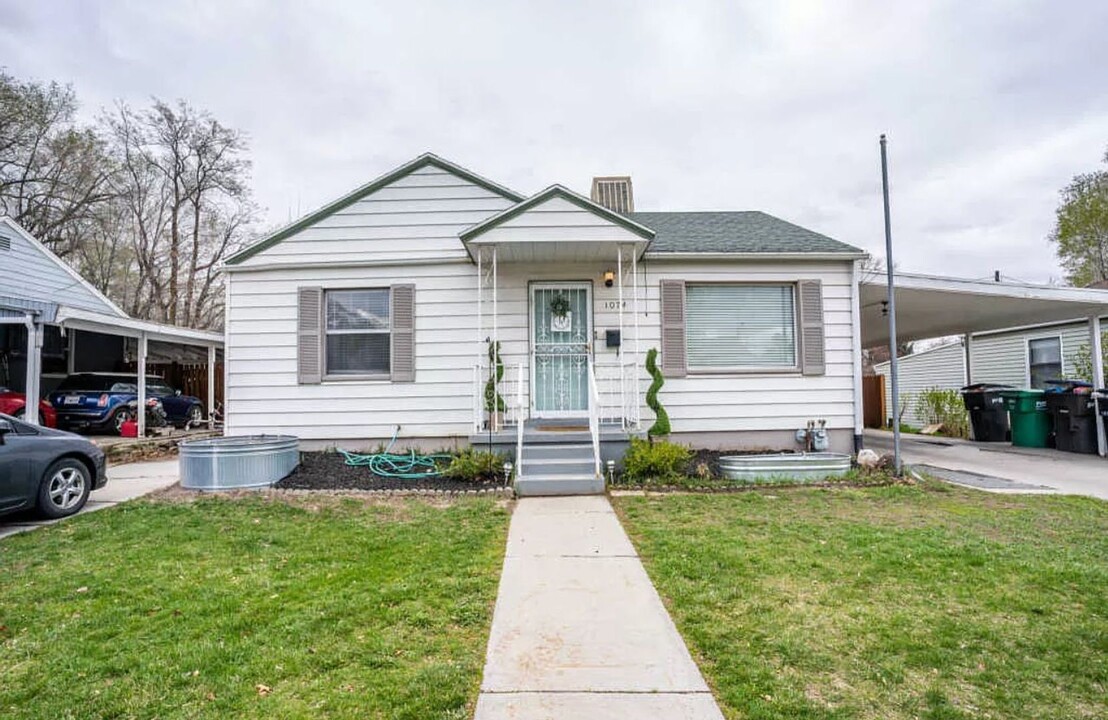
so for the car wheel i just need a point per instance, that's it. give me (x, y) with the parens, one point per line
(64, 489)
(121, 416)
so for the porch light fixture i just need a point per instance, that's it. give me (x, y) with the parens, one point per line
(507, 473)
(609, 278)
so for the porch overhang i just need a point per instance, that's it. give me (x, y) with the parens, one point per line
(929, 306)
(557, 225)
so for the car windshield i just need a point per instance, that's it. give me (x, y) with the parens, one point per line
(158, 388)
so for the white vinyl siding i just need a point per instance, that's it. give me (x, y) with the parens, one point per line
(943, 367)
(1003, 357)
(740, 326)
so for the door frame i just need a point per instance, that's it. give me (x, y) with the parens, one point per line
(547, 285)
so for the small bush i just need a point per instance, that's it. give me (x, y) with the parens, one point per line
(658, 461)
(660, 428)
(936, 405)
(476, 466)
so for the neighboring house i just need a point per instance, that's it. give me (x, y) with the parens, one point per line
(1020, 357)
(53, 322)
(374, 315)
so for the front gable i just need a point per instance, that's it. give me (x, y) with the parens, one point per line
(414, 212)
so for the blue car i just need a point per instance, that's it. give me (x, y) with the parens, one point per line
(104, 401)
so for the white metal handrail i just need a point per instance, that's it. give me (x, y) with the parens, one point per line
(519, 421)
(594, 418)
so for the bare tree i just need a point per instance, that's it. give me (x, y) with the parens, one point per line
(183, 182)
(54, 175)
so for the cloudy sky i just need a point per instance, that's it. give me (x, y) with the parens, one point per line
(990, 107)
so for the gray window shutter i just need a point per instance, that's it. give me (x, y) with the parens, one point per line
(811, 327)
(673, 328)
(309, 335)
(403, 333)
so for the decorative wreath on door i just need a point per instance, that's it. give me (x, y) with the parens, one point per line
(559, 306)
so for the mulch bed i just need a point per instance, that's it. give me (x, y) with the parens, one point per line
(329, 471)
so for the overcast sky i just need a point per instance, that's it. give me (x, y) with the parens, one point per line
(990, 107)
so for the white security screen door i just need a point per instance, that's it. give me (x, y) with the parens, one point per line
(561, 329)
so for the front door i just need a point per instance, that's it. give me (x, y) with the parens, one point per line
(561, 330)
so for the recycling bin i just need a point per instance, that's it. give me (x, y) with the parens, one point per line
(1073, 412)
(988, 415)
(1031, 423)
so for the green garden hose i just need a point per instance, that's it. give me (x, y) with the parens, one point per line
(411, 466)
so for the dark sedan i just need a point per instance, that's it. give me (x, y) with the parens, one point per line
(47, 470)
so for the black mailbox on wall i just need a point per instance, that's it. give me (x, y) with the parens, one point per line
(611, 338)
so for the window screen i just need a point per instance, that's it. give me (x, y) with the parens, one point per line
(1045, 360)
(357, 332)
(740, 326)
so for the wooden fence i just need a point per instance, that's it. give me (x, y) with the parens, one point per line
(873, 401)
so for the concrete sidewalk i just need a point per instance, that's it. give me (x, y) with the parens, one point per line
(579, 630)
(1048, 471)
(125, 482)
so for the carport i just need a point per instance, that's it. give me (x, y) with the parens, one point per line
(929, 306)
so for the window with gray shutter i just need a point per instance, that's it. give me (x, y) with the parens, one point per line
(357, 333)
(812, 342)
(309, 313)
(403, 333)
(740, 326)
(673, 328)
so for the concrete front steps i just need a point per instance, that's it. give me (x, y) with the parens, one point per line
(558, 464)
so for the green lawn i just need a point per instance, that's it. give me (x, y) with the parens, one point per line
(893, 602)
(251, 608)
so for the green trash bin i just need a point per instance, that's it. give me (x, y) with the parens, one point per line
(1031, 423)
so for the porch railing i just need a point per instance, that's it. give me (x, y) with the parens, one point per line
(619, 394)
(519, 421)
(594, 418)
(510, 390)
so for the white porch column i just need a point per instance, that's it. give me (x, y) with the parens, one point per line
(638, 349)
(141, 412)
(496, 419)
(1096, 350)
(211, 387)
(34, 369)
(478, 402)
(856, 352)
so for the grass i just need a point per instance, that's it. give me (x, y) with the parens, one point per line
(855, 477)
(251, 608)
(889, 602)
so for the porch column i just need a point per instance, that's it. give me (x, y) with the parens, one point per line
(1096, 349)
(635, 309)
(496, 419)
(967, 344)
(141, 412)
(477, 397)
(211, 387)
(34, 369)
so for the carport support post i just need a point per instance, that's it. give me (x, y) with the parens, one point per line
(141, 411)
(893, 371)
(34, 369)
(211, 387)
(1096, 348)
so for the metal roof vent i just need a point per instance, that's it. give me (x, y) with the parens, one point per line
(5, 243)
(614, 193)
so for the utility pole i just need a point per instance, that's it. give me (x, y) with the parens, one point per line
(891, 307)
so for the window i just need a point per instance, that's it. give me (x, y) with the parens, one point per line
(1044, 359)
(357, 332)
(740, 326)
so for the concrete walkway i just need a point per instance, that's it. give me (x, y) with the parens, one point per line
(1028, 470)
(125, 482)
(579, 631)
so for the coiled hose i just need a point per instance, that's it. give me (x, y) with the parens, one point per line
(411, 466)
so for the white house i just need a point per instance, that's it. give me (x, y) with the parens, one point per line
(375, 315)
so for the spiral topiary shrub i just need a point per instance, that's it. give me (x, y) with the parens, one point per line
(494, 401)
(661, 421)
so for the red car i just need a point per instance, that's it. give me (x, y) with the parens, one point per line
(14, 404)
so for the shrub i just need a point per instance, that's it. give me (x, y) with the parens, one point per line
(936, 405)
(658, 461)
(493, 398)
(661, 422)
(473, 465)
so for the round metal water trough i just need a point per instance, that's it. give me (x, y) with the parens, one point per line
(785, 466)
(236, 463)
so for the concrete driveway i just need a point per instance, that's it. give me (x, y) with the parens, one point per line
(1023, 470)
(125, 482)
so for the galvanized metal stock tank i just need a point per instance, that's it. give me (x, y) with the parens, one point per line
(786, 466)
(237, 463)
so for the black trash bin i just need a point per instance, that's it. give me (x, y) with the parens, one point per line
(987, 412)
(1071, 404)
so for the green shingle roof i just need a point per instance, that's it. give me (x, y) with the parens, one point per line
(748, 231)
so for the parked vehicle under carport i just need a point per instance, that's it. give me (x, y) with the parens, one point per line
(104, 401)
(47, 470)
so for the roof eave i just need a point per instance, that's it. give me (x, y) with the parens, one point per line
(746, 255)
